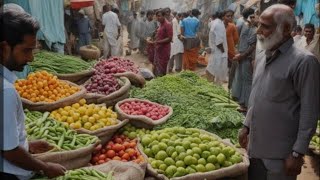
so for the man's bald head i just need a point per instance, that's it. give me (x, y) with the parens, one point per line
(275, 25)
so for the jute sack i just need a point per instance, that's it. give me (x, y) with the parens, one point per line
(89, 52)
(47, 106)
(72, 159)
(113, 102)
(135, 79)
(76, 78)
(140, 120)
(106, 133)
(100, 98)
(231, 171)
(122, 170)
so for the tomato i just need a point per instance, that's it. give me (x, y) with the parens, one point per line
(131, 152)
(95, 159)
(103, 151)
(102, 157)
(133, 144)
(117, 147)
(118, 140)
(101, 161)
(126, 144)
(125, 156)
(116, 158)
(110, 153)
(121, 153)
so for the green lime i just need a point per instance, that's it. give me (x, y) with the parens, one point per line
(205, 154)
(197, 156)
(180, 163)
(162, 146)
(192, 145)
(196, 150)
(202, 161)
(155, 149)
(174, 155)
(214, 151)
(169, 161)
(210, 167)
(161, 155)
(189, 152)
(148, 152)
(203, 147)
(201, 168)
(170, 150)
(170, 171)
(180, 149)
(186, 144)
(221, 158)
(190, 170)
(212, 159)
(163, 167)
(188, 160)
(182, 156)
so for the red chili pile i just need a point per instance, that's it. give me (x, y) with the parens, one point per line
(150, 110)
(115, 65)
(119, 148)
(103, 84)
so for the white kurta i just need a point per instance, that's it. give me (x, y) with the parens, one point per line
(218, 61)
(111, 22)
(176, 44)
(134, 30)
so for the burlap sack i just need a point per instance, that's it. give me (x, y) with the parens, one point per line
(122, 170)
(113, 102)
(69, 159)
(135, 79)
(140, 120)
(46, 106)
(100, 98)
(89, 52)
(231, 171)
(77, 78)
(106, 133)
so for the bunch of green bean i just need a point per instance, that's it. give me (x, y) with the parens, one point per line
(40, 126)
(59, 64)
(80, 174)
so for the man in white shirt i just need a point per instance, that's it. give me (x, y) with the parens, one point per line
(17, 42)
(112, 25)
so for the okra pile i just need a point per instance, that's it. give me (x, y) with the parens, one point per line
(41, 126)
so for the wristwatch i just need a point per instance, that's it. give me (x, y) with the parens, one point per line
(295, 154)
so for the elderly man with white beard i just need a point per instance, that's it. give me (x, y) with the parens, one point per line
(284, 101)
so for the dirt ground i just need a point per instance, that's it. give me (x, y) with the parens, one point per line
(311, 168)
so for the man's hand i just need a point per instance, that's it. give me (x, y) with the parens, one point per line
(237, 57)
(39, 146)
(220, 46)
(293, 165)
(54, 170)
(243, 137)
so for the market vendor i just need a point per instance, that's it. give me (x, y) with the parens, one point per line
(17, 42)
(284, 101)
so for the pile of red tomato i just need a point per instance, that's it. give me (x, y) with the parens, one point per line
(151, 110)
(119, 148)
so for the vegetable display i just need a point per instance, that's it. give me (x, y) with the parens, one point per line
(196, 103)
(115, 65)
(40, 126)
(180, 151)
(42, 86)
(150, 110)
(119, 148)
(315, 141)
(57, 63)
(87, 116)
(89, 174)
(102, 84)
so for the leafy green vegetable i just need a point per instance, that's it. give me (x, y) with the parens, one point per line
(196, 103)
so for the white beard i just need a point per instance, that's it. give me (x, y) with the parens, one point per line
(269, 42)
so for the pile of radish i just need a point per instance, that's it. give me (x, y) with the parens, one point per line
(103, 84)
(150, 110)
(120, 147)
(115, 65)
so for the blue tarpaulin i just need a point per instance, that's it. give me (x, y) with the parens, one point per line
(50, 14)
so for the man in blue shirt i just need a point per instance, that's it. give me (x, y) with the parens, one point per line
(84, 28)
(17, 42)
(189, 30)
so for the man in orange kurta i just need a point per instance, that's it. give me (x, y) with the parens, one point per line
(232, 41)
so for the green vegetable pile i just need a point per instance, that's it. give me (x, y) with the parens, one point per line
(59, 64)
(315, 141)
(89, 174)
(40, 126)
(196, 103)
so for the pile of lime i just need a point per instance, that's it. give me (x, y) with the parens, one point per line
(179, 151)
